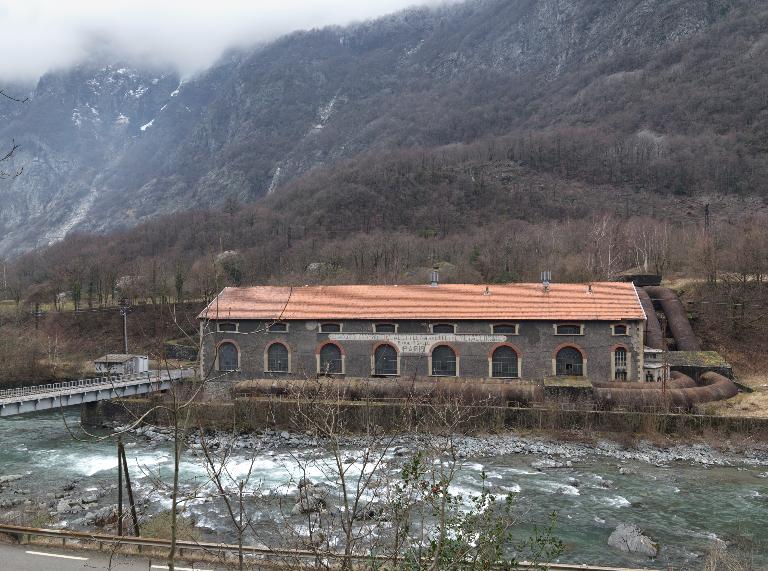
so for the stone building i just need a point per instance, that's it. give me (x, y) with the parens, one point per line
(512, 331)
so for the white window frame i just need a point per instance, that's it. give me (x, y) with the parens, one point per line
(320, 327)
(397, 326)
(432, 327)
(580, 325)
(516, 326)
(287, 326)
(627, 365)
(220, 323)
(615, 325)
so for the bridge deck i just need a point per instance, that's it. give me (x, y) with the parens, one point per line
(70, 393)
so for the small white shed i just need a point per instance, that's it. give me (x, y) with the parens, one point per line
(654, 369)
(122, 364)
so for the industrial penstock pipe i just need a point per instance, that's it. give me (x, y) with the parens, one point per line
(467, 391)
(653, 335)
(681, 392)
(677, 380)
(685, 338)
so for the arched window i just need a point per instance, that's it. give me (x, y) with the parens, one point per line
(227, 357)
(385, 360)
(620, 364)
(504, 363)
(330, 360)
(443, 361)
(277, 358)
(569, 362)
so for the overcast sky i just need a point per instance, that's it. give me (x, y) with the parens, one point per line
(40, 35)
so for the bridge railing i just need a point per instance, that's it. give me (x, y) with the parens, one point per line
(109, 380)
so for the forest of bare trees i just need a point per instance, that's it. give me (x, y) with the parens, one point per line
(387, 220)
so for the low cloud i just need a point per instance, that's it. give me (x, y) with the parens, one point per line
(42, 35)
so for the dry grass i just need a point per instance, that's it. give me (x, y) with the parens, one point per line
(159, 526)
(754, 404)
(7, 307)
(735, 557)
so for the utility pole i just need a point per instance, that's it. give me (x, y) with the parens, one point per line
(125, 308)
(664, 360)
(119, 488)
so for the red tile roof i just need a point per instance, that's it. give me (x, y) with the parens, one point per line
(607, 301)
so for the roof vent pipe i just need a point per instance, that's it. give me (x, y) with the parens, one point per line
(546, 279)
(434, 277)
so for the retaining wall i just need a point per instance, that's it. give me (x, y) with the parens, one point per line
(285, 414)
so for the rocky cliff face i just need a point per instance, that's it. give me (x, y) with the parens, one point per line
(109, 146)
(73, 128)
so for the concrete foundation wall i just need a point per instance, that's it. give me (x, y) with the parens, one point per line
(279, 414)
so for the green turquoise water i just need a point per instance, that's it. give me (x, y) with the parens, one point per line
(683, 506)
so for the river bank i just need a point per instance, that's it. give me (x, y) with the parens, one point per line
(720, 452)
(687, 497)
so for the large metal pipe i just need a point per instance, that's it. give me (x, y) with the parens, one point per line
(713, 387)
(463, 390)
(677, 380)
(677, 319)
(653, 335)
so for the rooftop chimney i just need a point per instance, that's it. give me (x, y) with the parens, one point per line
(434, 277)
(546, 279)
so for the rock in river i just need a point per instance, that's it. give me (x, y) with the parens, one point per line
(311, 498)
(630, 539)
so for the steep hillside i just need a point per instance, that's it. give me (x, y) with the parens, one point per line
(665, 95)
(388, 217)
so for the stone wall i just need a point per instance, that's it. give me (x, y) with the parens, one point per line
(281, 414)
(179, 351)
(536, 345)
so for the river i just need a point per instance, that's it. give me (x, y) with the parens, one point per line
(686, 498)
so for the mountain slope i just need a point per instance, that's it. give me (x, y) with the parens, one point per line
(670, 93)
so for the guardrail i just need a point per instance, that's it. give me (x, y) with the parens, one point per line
(87, 384)
(208, 547)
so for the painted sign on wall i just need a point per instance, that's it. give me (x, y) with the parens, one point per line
(416, 344)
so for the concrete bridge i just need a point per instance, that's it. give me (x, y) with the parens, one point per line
(55, 395)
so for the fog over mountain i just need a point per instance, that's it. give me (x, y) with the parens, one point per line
(186, 35)
(661, 95)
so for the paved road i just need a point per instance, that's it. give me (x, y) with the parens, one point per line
(43, 558)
